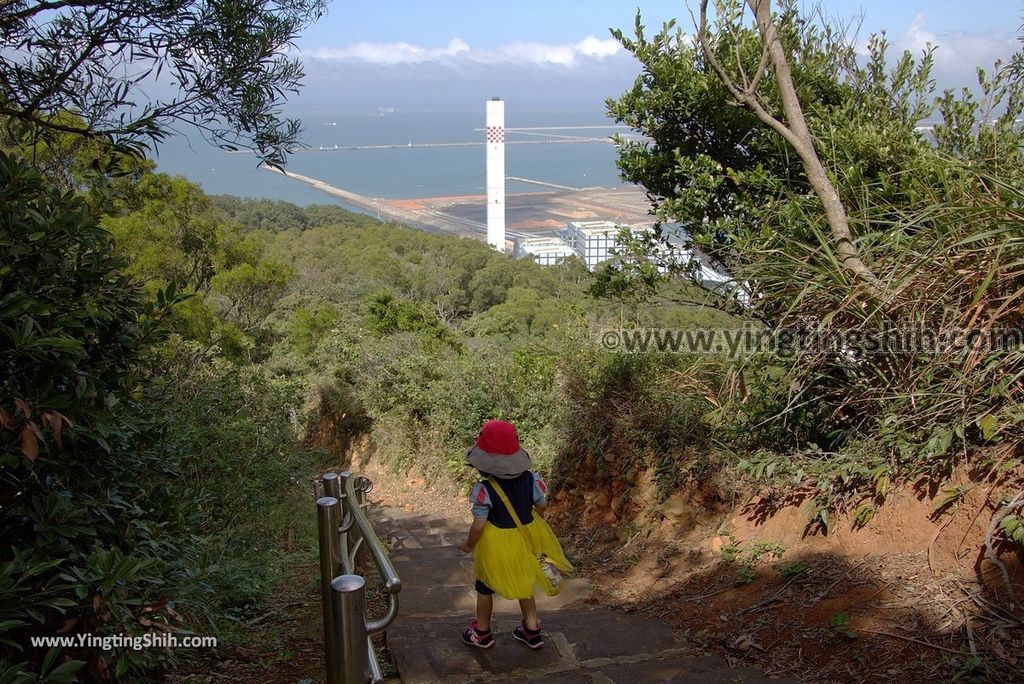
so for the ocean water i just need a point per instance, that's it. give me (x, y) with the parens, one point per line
(402, 171)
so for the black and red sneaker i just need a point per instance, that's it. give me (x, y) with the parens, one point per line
(530, 637)
(475, 637)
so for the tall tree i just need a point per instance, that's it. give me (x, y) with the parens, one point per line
(792, 126)
(802, 166)
(720, 116)
(223, 64)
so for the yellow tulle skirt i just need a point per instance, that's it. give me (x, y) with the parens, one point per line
(507, 563)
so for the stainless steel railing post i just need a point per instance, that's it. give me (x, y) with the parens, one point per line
(362, 556)
(328, 517)
(333, 486)
(348, 599)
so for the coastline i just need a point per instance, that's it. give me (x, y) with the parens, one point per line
(528, 214)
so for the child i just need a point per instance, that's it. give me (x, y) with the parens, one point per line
(506, 554)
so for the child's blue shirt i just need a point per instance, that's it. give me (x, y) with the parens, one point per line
(523, 491)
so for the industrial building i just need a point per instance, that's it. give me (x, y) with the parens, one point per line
(595, 242)
(546, 251)
(591, 241)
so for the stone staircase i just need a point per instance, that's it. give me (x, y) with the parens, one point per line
(583, 644)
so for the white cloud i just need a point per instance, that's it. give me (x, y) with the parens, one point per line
(458, 51)
(956, 49)
(527, 53)
(594, 47)
(957, 54)
(390, 53)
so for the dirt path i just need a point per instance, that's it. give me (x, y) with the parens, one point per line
(584, 643)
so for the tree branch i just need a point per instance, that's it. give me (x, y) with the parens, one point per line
(44, 6)
(794, 131)
(741, 95)
(57, 82)
(227, 68)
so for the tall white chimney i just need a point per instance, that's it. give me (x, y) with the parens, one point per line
(496, 173)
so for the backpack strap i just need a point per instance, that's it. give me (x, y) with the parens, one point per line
(511, 511)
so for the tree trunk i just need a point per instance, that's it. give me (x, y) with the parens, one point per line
(803, 144)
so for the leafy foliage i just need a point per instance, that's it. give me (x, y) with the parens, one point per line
(73, 331)
(125, 509)
(72, 359)
(935, 215)
(224, 62)
(1013, 528)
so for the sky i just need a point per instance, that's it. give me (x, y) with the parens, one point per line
(450, 54)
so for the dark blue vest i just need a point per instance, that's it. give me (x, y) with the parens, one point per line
(519, 491)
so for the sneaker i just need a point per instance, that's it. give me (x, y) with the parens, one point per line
(529, 637)
(474, 637)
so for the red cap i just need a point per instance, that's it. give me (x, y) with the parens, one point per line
(498, 437)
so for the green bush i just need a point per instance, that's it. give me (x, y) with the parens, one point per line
(85, 525)
(143, 482)
(624, 413)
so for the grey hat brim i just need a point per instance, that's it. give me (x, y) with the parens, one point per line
(499, 465)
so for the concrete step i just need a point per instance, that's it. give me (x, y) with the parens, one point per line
(570, 677)
(421, 537)
(583, 644)
(400, 541)
(397, 517)
(426, 537)
(668, 670)
(430, 649)
(422, 600)
(428, 567)
(421, 524)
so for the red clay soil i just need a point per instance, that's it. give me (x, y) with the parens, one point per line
(909, 597)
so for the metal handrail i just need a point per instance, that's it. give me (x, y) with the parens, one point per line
(376, 675)
(346, 535)
(368, 539)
